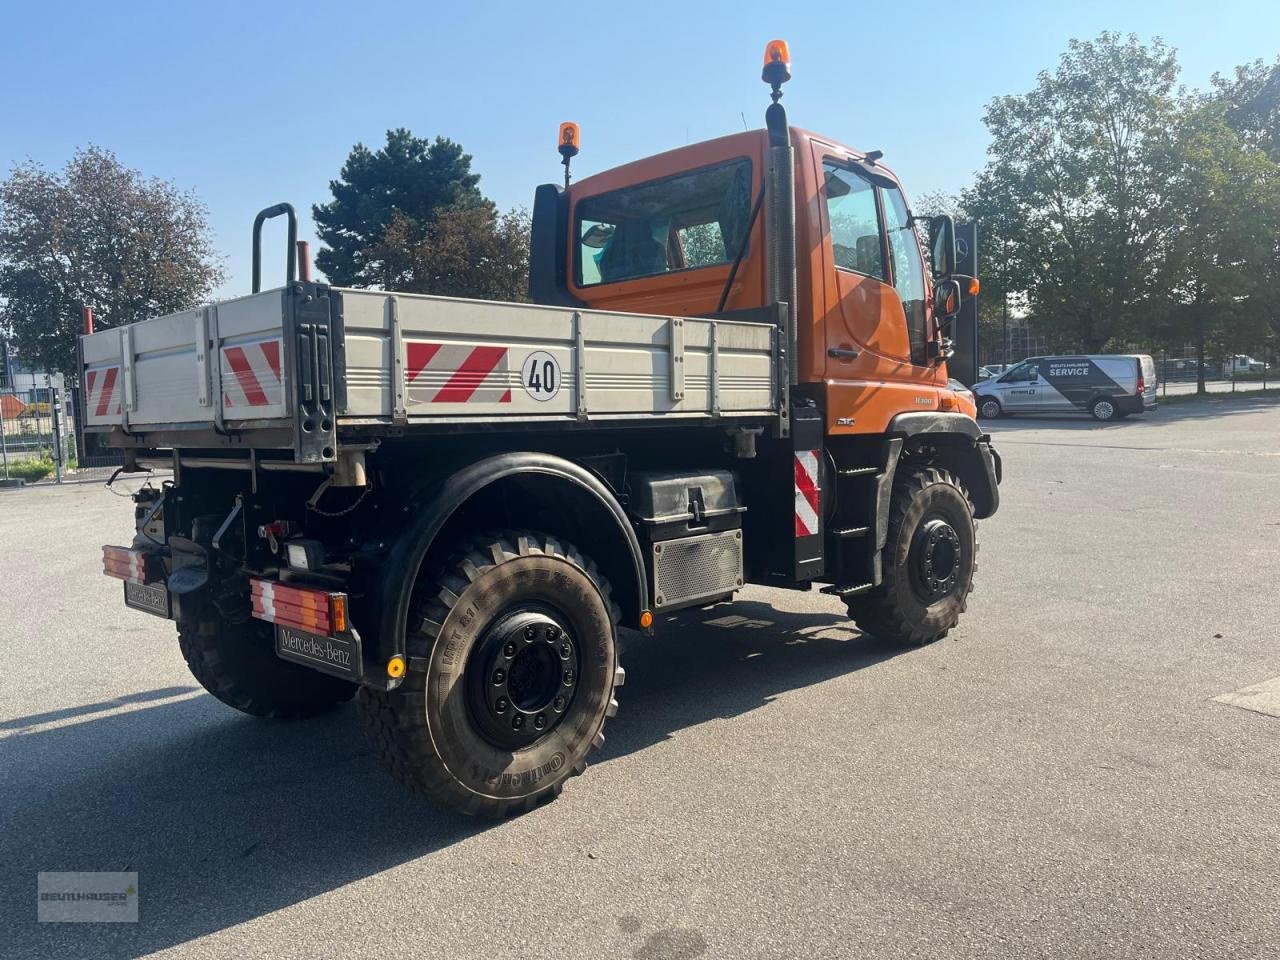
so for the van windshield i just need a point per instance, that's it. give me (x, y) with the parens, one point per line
(684, 222)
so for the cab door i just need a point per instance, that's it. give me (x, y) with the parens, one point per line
(875, 324)
(1020, 389)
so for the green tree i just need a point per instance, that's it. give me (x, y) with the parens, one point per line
(95, 234)
(409, 215)
(1070, 204)
(1251, 97)
(1217, 267)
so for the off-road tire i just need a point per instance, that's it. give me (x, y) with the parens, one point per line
(985, 411)
(896, 610)
(237, 663)
(426, 731)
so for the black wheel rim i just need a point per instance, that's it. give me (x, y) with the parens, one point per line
(522, 676)
(937, 558)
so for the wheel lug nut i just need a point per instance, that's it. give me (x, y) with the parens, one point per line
(558, 704)
(501, 705)
(530, 632)
(569, 678)
(540, 721)
(552, 632)
(565, 651)
(499, 676)
(517, 722)
(509, 650)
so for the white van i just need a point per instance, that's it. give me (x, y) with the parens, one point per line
(1108, 386)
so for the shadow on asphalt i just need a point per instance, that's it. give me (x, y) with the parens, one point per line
(226, 819)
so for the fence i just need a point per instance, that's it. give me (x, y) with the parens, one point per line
(41, 439)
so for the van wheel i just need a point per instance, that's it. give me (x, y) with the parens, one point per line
(512, 672)
(989, 408)
(929, 561)
(1103, 409)
(237, 663)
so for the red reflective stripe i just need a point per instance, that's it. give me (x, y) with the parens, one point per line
(805, 484)
(271, 350)
(468, 377)
(419, 355)
(244, 375)
(108, 387)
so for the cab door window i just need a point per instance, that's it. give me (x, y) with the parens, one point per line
(908, 271)
(855, 225)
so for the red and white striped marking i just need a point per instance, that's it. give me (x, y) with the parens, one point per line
(807, 499)
(457, 373)
(103, 389)
(251, 375)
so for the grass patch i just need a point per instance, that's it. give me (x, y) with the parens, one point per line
(31, 469)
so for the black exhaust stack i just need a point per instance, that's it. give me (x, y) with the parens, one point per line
(780, 225)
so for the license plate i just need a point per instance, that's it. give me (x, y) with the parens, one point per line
(149, 597)
(339, 656)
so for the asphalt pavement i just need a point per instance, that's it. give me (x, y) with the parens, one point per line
(1055, 779)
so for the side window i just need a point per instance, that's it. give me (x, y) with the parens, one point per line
(855, 228)
(908, 270)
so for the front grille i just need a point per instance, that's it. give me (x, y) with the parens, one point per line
(696, 568)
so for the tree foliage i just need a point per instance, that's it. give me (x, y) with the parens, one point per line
(1128, 210)
(95, 234)
(1071, 194)
(410, 216)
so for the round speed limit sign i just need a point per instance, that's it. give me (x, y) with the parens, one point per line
(540, 375)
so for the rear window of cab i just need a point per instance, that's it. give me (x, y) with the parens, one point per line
(688, 221)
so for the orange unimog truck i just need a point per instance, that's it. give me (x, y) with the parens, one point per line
(733, 371)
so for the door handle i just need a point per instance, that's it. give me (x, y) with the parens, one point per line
(842, 353)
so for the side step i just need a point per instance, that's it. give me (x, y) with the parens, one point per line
(857, 471)
(848, 533)
(843, 590)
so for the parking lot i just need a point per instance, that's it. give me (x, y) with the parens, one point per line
(1056, 778)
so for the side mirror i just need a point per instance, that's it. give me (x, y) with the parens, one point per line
(942, 246)
(946, 299)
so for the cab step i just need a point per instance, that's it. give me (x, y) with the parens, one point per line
(843, 590)
(857, 471)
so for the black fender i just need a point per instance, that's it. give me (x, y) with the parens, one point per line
(963, 448)
(433, 506)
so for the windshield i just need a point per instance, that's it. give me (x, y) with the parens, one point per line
(684, 222)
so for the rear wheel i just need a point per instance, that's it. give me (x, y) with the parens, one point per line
(988, 407)
(513, 667)
(237, 663)
(1103, 409)
(928, 563)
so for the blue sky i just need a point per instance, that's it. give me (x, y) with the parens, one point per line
(252, 103)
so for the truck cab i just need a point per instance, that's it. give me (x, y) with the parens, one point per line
(661, 235)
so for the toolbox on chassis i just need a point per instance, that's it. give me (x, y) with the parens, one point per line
(735, 370)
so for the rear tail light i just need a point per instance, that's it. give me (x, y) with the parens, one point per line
(1142, 384)
(303, 608)
(135, 566)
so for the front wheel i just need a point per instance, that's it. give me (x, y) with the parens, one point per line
(513, 667)
(988, 407)
(929, 561)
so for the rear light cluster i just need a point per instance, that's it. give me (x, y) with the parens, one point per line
(1142, 385)
(314, 611)
(135, 566)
